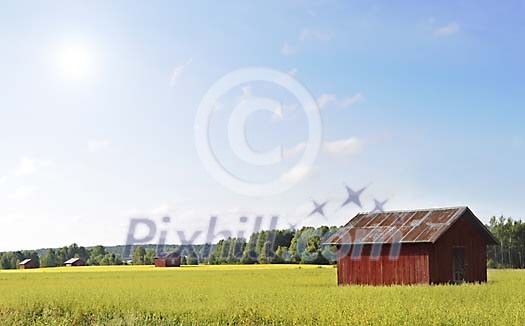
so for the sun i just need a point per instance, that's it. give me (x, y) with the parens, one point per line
(76, 61)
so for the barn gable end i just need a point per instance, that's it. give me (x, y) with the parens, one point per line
(172, 259)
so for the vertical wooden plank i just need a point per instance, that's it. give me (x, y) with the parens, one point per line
(412, 268)
(406, 268)
(417, 257)
(384, 268)
(396, 270)
(426, 266)
(357, 270)
(385, 276)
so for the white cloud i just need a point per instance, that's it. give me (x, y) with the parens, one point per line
(297, 173)
(163, 210)
(350, 101)
(247, 93)
(315, 34)
(307, 34)
(294, 151)
(343, 147)
(287, 49)
(326, 100)
(278, 114)
(95, 146)
(22, 193)
(28, 166)
(3, 179)
(178, 71)
(346, 148)
(450, 29)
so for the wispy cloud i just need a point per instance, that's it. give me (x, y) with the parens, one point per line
(287, 49)
(294, 151)
(327, 100)
(306, 35)
(297, 173)
(350, 101)
(447, 30)
(95, 146)
(343, 148)
(178, 71)
(315, 34)
(28, 166)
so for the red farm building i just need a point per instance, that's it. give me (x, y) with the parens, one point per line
(28, 264)
(171, 259)
(431, 246)
(73, 262)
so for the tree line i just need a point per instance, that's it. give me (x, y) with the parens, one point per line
(56, 257)
(510, 252)
(265, 247)
(10, 260)
(302, 246)
(276, 247)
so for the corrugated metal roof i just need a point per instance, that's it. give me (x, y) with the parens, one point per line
(418, 226)
(166, 255)
(71, 261)
(25, 261)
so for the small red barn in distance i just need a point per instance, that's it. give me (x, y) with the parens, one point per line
(75, 262)
(428, 246)
(171, 259)
(27, 264)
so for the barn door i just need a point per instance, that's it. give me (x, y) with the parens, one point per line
(458, 264)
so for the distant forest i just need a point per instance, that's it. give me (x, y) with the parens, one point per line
(266, 247)
(510, 253)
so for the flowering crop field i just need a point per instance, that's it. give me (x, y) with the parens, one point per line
(247, 295)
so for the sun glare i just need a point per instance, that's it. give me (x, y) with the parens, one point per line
(76, 61)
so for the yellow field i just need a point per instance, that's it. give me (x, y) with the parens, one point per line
(244, 294)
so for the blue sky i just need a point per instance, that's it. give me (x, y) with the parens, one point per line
(421, 102)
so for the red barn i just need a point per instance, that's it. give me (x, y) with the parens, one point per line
(171, 259)
(428, 246)
(28, 264)
(75, 262)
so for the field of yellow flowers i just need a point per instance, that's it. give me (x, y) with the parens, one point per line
(253, 295)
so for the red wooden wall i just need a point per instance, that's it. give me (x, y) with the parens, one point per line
(167, 262)
(463, 233)
(29, 265)
(419, 262)
(411, 267)
(160, 262)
